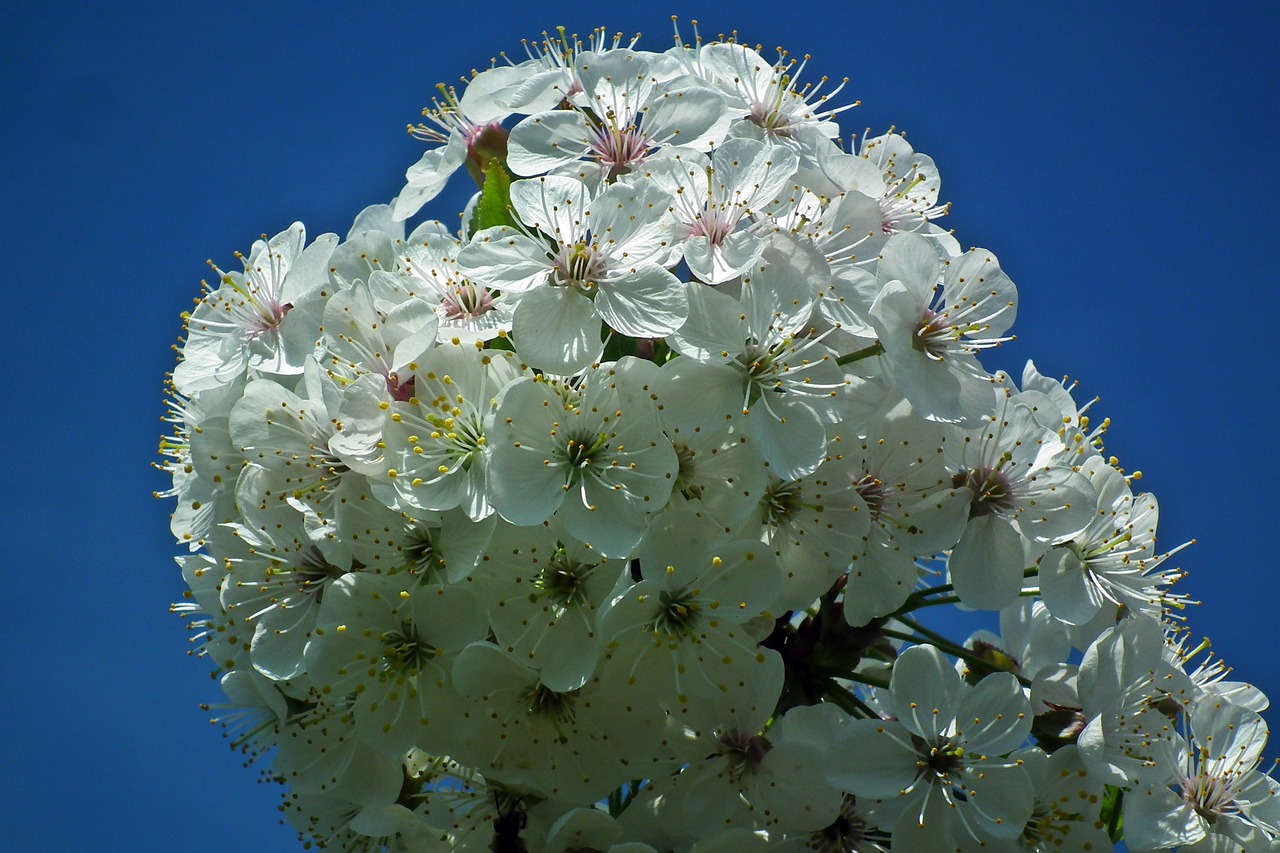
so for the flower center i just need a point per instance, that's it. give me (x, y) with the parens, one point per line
(563, 580)
(992, 492)
(1210, 796)
(400, 391)
(933, 334)
(542, 701)
(687, 472)
(618, 149)
(781, 501)
(422, 551)
(873, 493)
(580, 266)
(744, 752)
(465, 301)
(677, 613)
(581, 450)
(313, 575)
(770, 117)
(848, 834)
(714, 224)
(941, 760)
(403, 651)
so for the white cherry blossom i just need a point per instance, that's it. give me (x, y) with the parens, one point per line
(264, 319)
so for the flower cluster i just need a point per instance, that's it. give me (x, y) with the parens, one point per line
(607, 522)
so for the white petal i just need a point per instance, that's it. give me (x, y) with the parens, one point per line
(1066, 587)
(647, 302)
(926, 690)
(874, 759)
(556, 329)
(541, 142)
(986, 565)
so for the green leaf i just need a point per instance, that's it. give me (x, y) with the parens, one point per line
(1112, 813)
(494, 206)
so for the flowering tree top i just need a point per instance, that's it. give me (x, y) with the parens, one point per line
(612, 521)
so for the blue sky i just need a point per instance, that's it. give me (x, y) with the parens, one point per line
(1117, 159)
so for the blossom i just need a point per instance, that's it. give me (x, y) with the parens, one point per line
(1217, 798)
(752, 355)
(264, 319)
(545, 590)
(392, 644)
(470, 127)
(1024, 498)
(940, 770)
(931, 333)
(618, 520)
(713, 196)
(592, 259)
(684, 629)
(592, 451)
(435, 443)
(767, 96)
(629, 109)
(1112, 562)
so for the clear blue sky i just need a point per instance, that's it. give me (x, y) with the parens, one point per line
(1118, 158)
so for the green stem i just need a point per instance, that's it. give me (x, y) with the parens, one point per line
(615, 802)
(867, 352)
(942, 599)
(914, 601)
(943, 643)
(850, 704)
(865, 679)
(933, 590)
(837, 695)
(925, 632)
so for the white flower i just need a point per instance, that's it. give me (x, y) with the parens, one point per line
(551, 72)
(265, 319)
(761, 362)
(279, 594)
(712, 197)
(767, 96)
(896, 465)
(435, 443)
(391, 642)
(465, 310)
(557, 742)
(774, 780)
(544, 590)
(202, 464)
(593, 452)
(683, 630)
(911, 183)
(469, 126)
(721, 474)
(931, 334)
(1024, 498)
(1066, 815)
(360, 339)
(1112, 562)
(1217, 799)
(940, 770)
(1124, 680)
(321, 753)
(629, 112)
(815, 525)
(590, 259)
(292, 479)
(1030, 640)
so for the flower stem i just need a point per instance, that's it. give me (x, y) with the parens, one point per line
(867, 352)
(850, 704)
